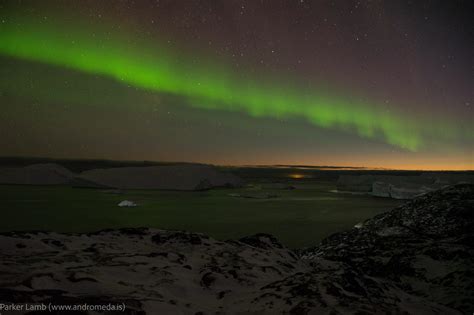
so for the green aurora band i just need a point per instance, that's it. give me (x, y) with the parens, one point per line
(205, 84)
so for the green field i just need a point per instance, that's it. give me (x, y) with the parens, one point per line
(299, 217)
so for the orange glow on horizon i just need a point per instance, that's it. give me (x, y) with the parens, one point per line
(297, 176)
(378, 163)
(346, 167)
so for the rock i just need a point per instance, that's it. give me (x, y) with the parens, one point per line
(167, 177)
(423, 249)
(127, 203)
(36, 174)
(143, 268)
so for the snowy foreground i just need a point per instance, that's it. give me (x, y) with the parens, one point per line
(417, 258)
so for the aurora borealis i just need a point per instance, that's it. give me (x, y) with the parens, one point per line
(138, 73)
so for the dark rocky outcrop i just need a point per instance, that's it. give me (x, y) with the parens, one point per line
(414, 259)
(423, 248)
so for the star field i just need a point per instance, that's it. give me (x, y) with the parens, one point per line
(369, 83)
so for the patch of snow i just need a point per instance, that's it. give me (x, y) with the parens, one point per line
(359, 225)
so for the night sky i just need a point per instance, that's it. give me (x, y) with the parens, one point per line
(363, 83)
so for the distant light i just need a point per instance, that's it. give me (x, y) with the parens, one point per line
(296, 176)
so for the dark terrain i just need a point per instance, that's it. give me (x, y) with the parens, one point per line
(416, 259)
